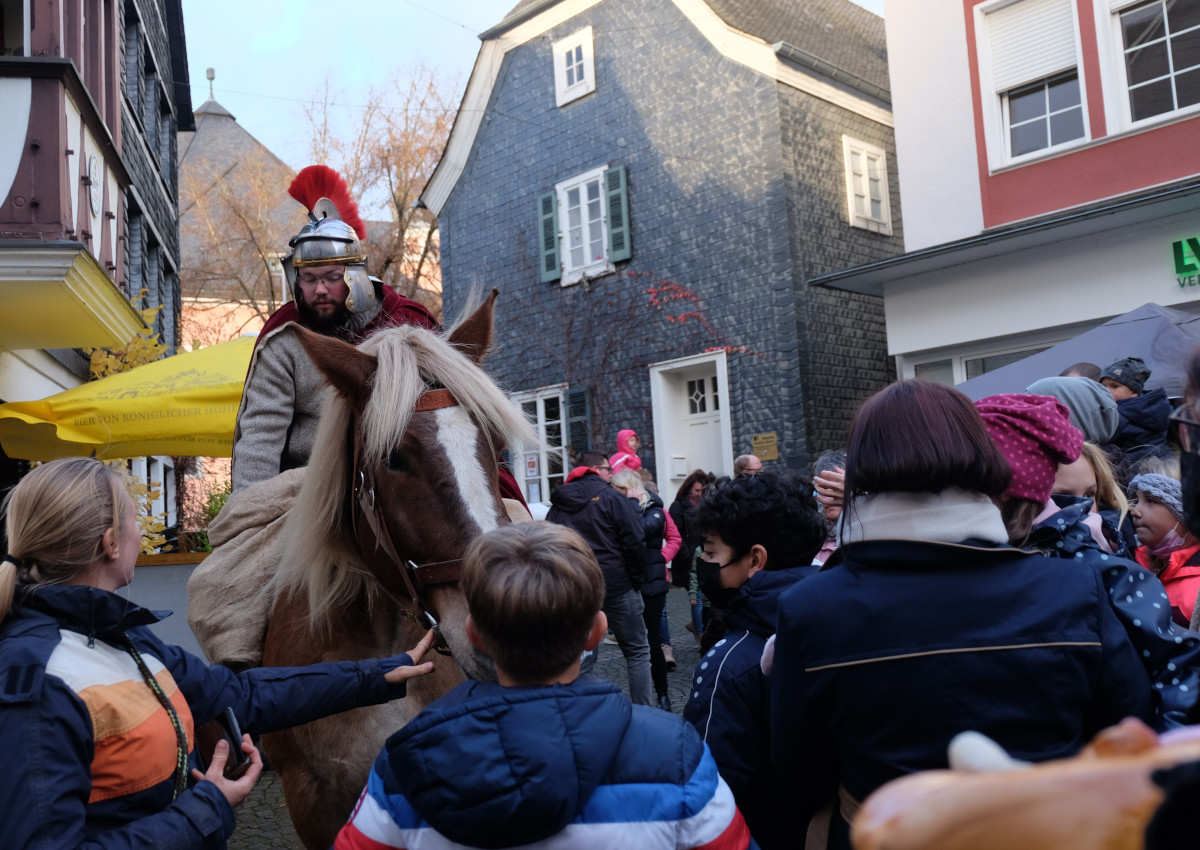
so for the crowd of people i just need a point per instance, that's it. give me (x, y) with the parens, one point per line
(1019, 566)
(1025, 566)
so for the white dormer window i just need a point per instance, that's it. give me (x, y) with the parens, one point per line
(867, 199)
(574, 68)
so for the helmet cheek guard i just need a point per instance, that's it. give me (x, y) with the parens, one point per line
(362, 293)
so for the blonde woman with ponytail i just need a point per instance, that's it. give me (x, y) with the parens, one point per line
(97, 715)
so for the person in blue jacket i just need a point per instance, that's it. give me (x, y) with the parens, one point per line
(758, 536)
(543, 757)
(926, 622)
(97, 715)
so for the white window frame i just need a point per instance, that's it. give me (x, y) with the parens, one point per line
(518, 452)
(1050, 147)
(906, 365)
(581, 42)
(1113, 73)
(590, 268)
(883, 223)
(994, 103)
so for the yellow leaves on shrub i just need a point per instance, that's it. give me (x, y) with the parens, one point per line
(142, 349)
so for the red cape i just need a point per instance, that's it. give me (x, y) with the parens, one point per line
(396, 310)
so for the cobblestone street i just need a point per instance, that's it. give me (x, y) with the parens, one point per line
(263, 820)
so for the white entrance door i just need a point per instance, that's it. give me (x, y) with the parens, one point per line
(692, 429)
(702, 421)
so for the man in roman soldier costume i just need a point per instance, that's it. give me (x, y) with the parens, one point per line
(277, 422)
(333, 295)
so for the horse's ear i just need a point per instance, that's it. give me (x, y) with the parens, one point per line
(348, 370)
(473, 336)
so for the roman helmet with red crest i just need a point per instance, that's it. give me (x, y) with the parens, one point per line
(333, 235)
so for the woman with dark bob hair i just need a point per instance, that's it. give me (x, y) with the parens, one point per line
(926, 622)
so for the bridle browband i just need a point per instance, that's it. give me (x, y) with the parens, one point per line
(383, 559)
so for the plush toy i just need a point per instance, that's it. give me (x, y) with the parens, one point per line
(1129, 789)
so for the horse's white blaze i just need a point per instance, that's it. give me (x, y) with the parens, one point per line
(459, 436)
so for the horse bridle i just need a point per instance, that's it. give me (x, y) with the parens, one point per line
(383, 559)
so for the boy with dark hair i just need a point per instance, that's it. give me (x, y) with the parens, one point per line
(543, 757)
(758, 538)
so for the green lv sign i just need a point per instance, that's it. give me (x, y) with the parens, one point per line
(1183, 263)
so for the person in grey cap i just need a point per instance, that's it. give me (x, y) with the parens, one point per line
(1126, 377)
(1168, 548)
(1142, 430)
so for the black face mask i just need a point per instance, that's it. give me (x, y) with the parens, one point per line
(708, 579)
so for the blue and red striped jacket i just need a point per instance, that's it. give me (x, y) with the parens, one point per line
(559, 766)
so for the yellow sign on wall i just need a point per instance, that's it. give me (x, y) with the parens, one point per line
(765, 446)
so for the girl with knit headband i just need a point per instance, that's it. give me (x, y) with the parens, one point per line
(1168, 548)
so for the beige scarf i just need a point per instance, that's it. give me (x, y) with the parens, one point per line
(951, 516)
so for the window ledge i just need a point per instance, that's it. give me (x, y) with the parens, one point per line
(883, 228)
(573, 94)
(587, 275)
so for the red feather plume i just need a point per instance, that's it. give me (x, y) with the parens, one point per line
(321, 181)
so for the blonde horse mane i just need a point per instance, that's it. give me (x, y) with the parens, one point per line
(319, 556)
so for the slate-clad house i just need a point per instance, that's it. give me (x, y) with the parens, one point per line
(651, 184)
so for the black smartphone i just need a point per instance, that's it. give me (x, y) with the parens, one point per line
(223, 727)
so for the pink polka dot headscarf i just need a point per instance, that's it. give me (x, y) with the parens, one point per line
(1035, 435)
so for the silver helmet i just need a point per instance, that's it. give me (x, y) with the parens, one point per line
(328, 240)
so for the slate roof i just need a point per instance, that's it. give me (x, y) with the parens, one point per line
(837, 31)
(217, 152)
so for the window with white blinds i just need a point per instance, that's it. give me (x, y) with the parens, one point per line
(1030, 40)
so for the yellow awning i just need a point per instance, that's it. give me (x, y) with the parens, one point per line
(182, 405)
(55, 295)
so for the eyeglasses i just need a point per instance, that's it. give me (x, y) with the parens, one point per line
(329, 279)
(602, 468)
(1184, 426)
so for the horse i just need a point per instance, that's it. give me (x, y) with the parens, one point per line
(402, 476)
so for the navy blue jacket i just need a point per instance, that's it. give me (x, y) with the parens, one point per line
(572, 765)
(897, 645)
(44, 791)
(654, 521)
(611, 525)
(1142, 429)
(730, 705)
(1169, 652)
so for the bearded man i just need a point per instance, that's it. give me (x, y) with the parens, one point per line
(333, 295)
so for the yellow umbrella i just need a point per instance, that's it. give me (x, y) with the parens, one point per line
(181, 405)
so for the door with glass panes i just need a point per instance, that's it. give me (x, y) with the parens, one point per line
(702, 422)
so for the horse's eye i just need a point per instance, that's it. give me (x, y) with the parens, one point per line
(397, 461)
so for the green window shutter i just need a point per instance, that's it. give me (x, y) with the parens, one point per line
(579, 421)
(616, 194)
(548, 233)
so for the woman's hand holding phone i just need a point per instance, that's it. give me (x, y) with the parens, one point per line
(234, 790)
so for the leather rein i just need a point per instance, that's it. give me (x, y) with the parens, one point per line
(383, 559)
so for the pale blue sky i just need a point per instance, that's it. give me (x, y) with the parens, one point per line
(271, 57)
